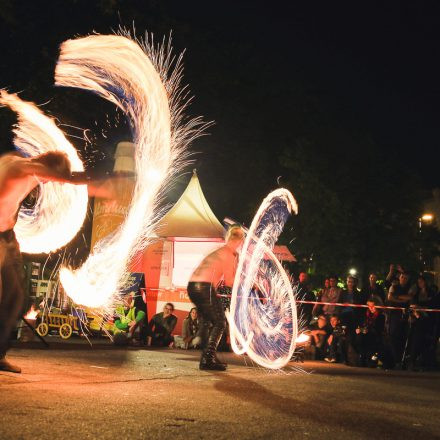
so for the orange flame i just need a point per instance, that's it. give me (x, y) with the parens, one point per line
(32, 313)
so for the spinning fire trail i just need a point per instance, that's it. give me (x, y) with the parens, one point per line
(262, 316)
(136, 80)
(61, 208)
(137, 77)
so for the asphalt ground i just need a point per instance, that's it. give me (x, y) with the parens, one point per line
(74, 391)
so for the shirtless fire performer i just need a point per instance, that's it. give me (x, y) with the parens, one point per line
(217, 268)
(18, 177)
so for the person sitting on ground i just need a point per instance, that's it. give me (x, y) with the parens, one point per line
(319, 333)
(129, 318)
(191, 332)
(161, 326)
(369, 334)
(336, 342)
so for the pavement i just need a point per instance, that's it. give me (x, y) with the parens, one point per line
(74, 390)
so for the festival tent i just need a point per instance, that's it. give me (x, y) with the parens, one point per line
(186, 234)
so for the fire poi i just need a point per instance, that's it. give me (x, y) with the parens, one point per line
(143, 80)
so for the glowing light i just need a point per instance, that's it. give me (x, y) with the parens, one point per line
(352, 272)
(302, 338)
(31, 314)
(61, 208)
(427, 217)
(263, 321)
(135, 79)
(154, 175)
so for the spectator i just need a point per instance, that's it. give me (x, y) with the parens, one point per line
(304, 293)
(331, 295)
(161, 326)
(423, 332)
(423, 294)
(350, 316)
(418, 338)
(319, 332)
(324, 290)
(191, 332)
(373, 288)
(127, 321)
(369, 334)
(336, 342)
(393, 274)
(399, 295)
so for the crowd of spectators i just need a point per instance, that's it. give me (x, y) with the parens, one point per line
(363, 332)
(384, 324)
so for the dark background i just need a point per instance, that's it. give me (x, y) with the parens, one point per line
(336, 102)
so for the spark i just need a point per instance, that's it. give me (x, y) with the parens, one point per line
(136, 76)
(262, 317)
(61, 208)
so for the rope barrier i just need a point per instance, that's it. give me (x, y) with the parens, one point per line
(421, 309)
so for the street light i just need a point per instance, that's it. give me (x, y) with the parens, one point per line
(352, 271)
(426, 218)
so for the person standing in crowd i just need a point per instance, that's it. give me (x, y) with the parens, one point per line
(332, 295)
(393, 274)
(304, 293)
(350, 316)
(369, 334)
(191, 330)
(399, 295)
(18, 177)
(418, 338)
(373, 288)
(317, 308)
(161, 326)
(423, 337)
(217, 268)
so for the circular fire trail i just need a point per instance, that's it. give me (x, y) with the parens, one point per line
(60, 209)
(262, 317)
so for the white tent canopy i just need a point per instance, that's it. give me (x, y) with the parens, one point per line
(191, 216)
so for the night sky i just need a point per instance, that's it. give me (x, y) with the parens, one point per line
(264, 72)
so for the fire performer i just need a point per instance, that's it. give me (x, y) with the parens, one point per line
(18, 177)
(218, 268)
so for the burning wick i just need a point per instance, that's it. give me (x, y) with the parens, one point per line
(31, 314)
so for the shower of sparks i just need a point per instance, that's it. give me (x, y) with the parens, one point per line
(137, 77)
(262, 317)
(60, 209)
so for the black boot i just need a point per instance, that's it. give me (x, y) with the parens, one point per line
(209, 362)
(209, 359)
(219, 361)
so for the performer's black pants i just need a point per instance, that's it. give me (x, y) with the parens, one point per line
(210, 309)
(11, 287)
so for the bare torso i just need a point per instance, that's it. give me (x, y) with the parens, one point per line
(14, 188)
(217, 266)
